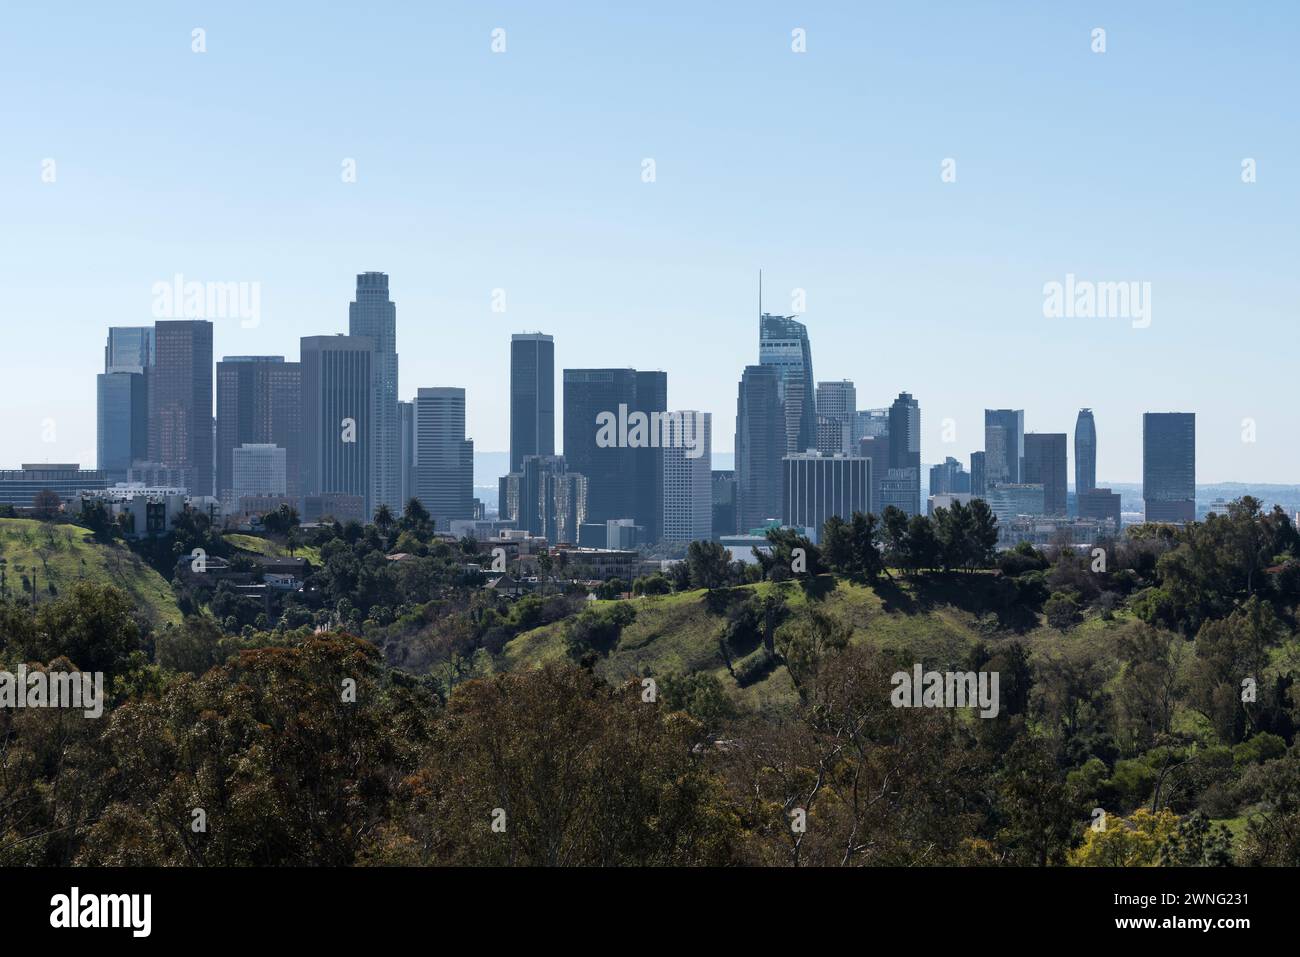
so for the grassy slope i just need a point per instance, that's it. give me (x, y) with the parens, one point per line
(64, 554)
(678, 633)
(272, 549)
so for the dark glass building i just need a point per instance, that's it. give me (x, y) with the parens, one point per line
(122, 432)
(1085, 453)
(977, 483)
(180, 400)
(336, 425)
(622, 481)
(1169, 466)
(532, 397)
(1045, 465)
(724, 502)
(760, 447)
(904, 456)
(259, 401)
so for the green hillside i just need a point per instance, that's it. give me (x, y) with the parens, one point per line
(59, 555)
(934, 619)
(264, 546)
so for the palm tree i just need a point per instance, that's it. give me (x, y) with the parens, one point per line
(544, 565)
(384, 518)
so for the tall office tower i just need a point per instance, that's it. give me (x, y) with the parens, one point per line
(532, 397)
(259, 402)
(978, 485)
(337, 405)
(1045, 465)
(648, 461)
(444, 458)
(1085, 453)
(905, 446)
(122, 432)
(1004, 453)
(129, 349)
(688, 477)
(180, 400)
(838, 402)
(995, 457)
(549, 500)
(760, 447)
(815, 487)
(724, 502)
(374, 316)
(876, 449)
(1169, 466)
(624, 472)
(783, 344)
(949, 478)
(406, 423)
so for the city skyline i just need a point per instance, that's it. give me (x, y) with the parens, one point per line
(910, 283)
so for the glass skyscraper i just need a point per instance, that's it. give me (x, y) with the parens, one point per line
(532, 397)
(373, 315)
(259, 402)
(122, 400)
(1085, 452)
(1169, 466)
(180, 401)
(337, 404)
(1045, 465)
(760, 447)
(122, 434)
(901, 485)
(1005, 451)
(622, 481)
(444, 458)
(783, 344)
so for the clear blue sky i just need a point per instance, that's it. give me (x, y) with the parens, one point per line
(522, 171)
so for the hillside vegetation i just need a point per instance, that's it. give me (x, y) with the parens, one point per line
(54, 557)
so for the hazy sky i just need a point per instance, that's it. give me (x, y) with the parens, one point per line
(522, 171)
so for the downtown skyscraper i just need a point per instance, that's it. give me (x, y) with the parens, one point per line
(1045, 465)
(532, 397)
(337, 406)
(688, 477)
(900, 486)
(444, 457)
(1004, 446)
(259, 402)
(623, 481)
(373, 315)
(783, 345)
(1085, 452)
(122, 401)
(837, 417)
(1169, 466)
(180, 401)
(760, 447)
